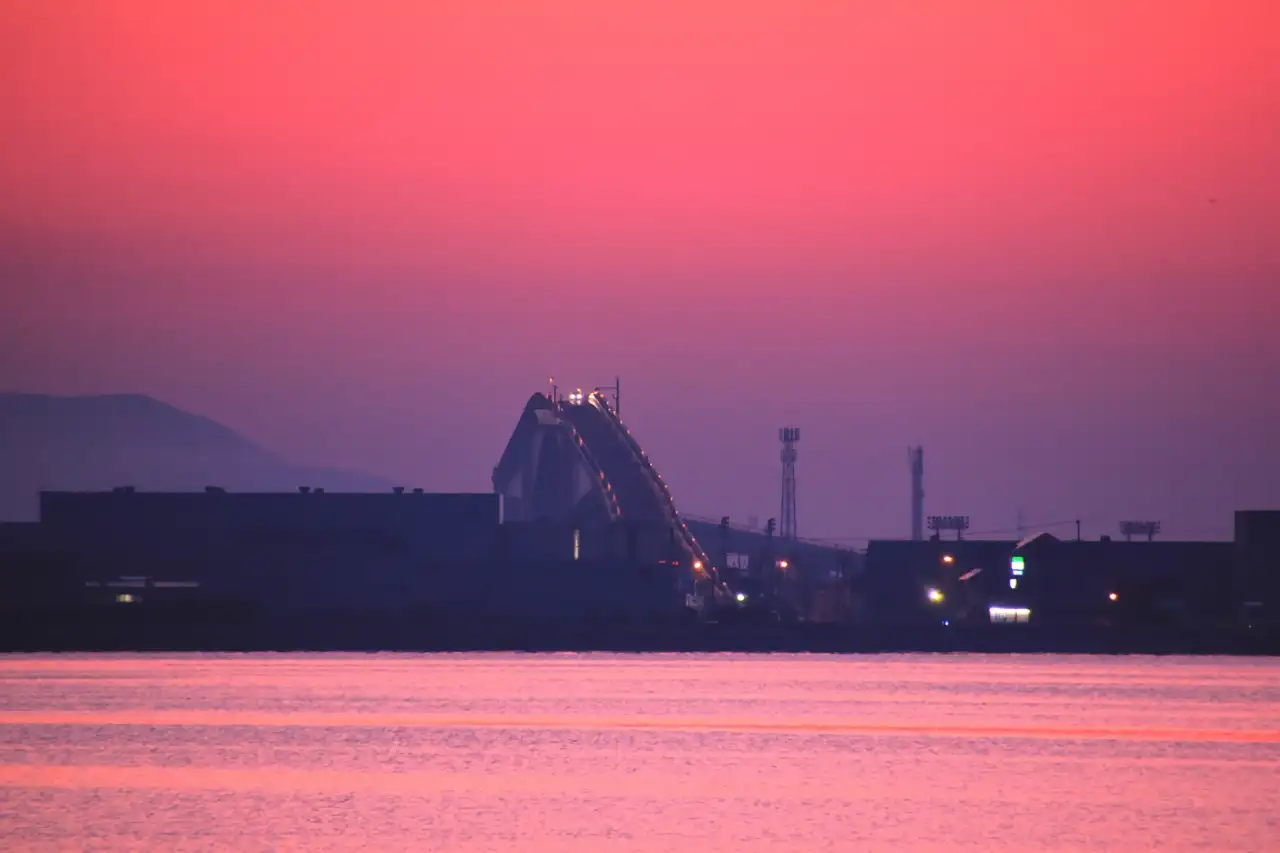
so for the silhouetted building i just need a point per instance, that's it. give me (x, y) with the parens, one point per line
(314, 550)
(32, 571)
(1257, 563)
(933, 580)
(1122, 582)
(452, 553)
(295, 550)
(1048, 580)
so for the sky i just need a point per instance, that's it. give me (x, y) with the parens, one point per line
(1039, 239)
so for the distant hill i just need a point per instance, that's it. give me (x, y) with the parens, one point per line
(113, 440)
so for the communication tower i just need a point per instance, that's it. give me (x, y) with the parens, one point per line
(915, 461)
(789, 436)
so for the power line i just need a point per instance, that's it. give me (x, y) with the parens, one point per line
(968, 533)
(1011, 532)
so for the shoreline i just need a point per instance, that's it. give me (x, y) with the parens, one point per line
(97, 630)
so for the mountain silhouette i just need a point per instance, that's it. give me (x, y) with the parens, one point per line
(99, 442)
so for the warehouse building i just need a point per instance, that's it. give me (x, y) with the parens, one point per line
(1058, 581)
(314, 550)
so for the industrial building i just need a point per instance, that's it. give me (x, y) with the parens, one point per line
(580, 525)
(901, 573)
(308, 549)
(312, 550)
(1056, 581)
(315, 551)
(812, 578)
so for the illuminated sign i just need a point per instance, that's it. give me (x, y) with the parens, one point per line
(949, 522)
(999, 613)
(1017, 566)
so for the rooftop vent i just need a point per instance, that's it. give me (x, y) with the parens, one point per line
(214, 490)
(317, 491)
(304, 490)
(399, 490)
(124, 490)
(417, 491)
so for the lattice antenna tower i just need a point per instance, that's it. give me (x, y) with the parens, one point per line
(790, 436)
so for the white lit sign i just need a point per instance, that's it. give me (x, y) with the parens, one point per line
(999, 613)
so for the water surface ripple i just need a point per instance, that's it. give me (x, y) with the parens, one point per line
(638, 753)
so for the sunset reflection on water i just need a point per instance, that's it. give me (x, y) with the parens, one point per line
(639, 753)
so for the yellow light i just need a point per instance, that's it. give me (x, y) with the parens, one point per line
(934, 595)
(1113, 596)
(782, 564)
(947, 558)
(697, 565)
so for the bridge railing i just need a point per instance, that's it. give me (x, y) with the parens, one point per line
(611, 500)
(664, 491)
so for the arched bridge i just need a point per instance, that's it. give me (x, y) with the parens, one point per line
(573, 460)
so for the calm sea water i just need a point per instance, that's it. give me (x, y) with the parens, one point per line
(638, 753)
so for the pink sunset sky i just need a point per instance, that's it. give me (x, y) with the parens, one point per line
(1042, 239)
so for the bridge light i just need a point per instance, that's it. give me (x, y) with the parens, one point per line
(697, 565)
(783, 564)
(742, 596)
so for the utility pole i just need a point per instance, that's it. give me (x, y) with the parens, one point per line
(616, 388)
(1077, 530)
(724, 543)
(767, 564)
